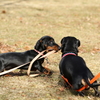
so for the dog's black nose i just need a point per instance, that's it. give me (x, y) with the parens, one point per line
(59, 48)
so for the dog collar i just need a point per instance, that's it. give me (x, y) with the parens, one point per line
(68, 54)
(37, 51)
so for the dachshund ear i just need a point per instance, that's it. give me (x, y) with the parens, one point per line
(78, 42)
(38, 44)
(63, 40)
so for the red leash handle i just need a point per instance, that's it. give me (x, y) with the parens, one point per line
(91, 81)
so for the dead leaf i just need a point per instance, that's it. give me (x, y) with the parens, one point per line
(3, 11)
(61, 89)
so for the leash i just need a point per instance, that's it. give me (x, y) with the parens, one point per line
(84, 87)
(5, 72)
(31, 63)
(30, 66)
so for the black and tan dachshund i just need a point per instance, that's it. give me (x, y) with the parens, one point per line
(13, 59)
(73, 67)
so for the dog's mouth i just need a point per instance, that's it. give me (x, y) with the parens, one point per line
(53, 48)
(49, 50)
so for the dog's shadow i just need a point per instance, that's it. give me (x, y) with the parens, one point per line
(24, 73)
(19, 73)
(15, 74)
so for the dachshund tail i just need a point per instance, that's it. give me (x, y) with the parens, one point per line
(94, 84)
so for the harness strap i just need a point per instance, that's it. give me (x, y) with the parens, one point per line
(91, 81)
(66, 80)
(62, 75)
(84, 87)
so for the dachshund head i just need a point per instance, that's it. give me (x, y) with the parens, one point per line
(70, 44)
(47, 43)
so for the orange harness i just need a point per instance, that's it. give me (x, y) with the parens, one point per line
(84, 87)
(66, 80)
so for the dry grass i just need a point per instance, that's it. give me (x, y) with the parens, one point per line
(23, 22)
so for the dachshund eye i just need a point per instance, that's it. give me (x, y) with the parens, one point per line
(51, 42)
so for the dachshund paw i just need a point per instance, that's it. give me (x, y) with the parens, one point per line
(81, 94)
(47, 71)
(97, 94)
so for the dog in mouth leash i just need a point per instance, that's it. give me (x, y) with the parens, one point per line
(13, 59)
